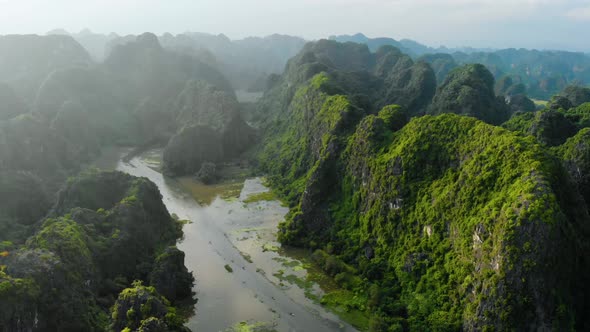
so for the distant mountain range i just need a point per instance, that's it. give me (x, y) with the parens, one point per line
(542, 73)
(248, 62)
(407, 46)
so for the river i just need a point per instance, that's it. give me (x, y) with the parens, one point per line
(243, 276)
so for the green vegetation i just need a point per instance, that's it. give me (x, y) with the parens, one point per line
(539, 102)
(24, 199)
(577, 95)
(17, 298)
(554, 125)
(170, 277)
(411, 273)
(349, 306)
(469, 90)
(440, 223)
(247, 257)
(107, 229)
(521, 103)
(97, 232)
(259, 197)
(369, 80)
(575, 153)
(141, 308)
(270, 247)
(548, 127)
(205, 194)
(540, 73)
(251, 327)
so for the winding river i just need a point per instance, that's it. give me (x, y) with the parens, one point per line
(243, 276)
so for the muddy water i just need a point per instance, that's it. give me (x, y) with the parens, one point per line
(267, 286)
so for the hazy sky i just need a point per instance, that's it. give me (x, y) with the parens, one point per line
(562, 24)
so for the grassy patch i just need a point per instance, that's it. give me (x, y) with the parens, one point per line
(259, 197)
(251, 327)
(287, 262)
(247, 230)
(294, 280)
(348, 306)
(269, 247)
(539, 102)
(206, 194)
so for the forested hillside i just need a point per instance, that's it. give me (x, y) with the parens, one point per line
(430, 222)
(95, 251)
(539, 73)
(430, 189)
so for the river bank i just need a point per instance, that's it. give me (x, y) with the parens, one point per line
(244, 278)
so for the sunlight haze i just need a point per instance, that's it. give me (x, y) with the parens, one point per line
(542, 24)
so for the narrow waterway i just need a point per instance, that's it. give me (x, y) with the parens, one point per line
(242, 274)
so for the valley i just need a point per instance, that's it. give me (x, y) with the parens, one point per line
(227, 231)
(191, 182)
